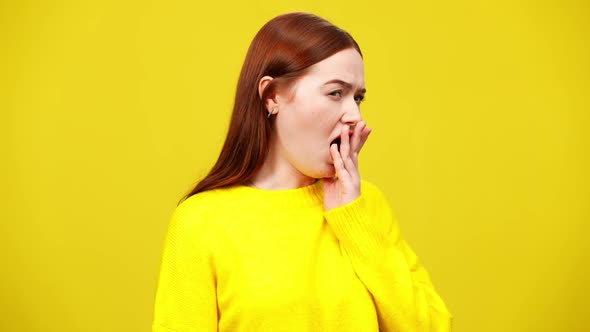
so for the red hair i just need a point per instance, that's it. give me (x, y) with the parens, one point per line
(283, 49)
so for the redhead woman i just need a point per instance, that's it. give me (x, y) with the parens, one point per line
(282, 234)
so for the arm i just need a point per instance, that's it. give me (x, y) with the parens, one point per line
(404, 297)
(403, 294)
(186, 297)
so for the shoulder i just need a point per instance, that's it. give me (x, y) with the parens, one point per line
(204, 210)
(204, 201)
(370, 190)
(376, 201)
(374, 197)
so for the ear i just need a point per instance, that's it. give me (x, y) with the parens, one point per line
(270, 103)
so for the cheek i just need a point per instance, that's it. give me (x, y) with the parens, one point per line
(307, 124)
(324, 113)
(321, 124)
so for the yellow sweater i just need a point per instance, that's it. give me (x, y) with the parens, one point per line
(247, 259)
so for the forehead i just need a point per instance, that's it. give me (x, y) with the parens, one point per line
(346, 65)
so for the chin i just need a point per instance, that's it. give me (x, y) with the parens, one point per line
(327, 171)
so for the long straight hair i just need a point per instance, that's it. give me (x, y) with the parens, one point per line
(283, 49)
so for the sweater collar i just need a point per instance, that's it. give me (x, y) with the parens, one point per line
(311, 195)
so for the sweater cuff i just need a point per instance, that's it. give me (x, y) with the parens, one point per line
(360, 228)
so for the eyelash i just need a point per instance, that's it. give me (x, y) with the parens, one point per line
(339, 92)
(358, 99)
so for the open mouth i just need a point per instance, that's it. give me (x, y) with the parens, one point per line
(337, 142)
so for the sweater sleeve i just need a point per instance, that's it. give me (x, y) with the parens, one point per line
(404, 296)
(186, 297)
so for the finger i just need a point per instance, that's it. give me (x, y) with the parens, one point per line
(364, 136)
(357, 135)
(338, 162)
(345, 150)
(345, 142)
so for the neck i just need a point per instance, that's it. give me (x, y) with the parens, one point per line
(277, 174)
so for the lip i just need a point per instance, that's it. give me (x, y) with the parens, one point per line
(340, 139)
(340, 136)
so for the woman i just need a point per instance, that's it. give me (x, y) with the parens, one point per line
(282, 234)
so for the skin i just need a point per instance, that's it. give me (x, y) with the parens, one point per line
(323, 104)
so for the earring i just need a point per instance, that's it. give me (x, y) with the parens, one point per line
(270, 113)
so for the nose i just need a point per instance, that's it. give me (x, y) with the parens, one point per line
(352, 113)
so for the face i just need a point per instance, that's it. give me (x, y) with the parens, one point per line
(310, 116)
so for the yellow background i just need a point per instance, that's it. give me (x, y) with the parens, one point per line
(111, 110)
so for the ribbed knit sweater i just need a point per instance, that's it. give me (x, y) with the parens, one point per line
(247, 259)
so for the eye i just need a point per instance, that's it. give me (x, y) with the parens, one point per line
(336, 93)
(359, 99)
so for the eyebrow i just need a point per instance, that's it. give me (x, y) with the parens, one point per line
(345, 84)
